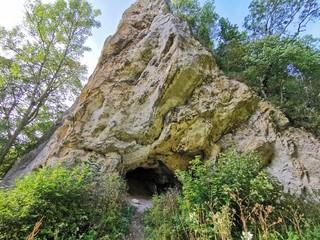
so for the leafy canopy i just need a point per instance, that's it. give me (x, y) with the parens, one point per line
(280, 17)
(274, 58)
(40, 68)
(201, 19)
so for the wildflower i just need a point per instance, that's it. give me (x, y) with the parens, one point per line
(247, 236)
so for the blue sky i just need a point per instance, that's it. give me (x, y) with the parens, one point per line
(11, 13)
(234, 10)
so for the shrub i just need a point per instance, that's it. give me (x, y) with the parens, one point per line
(235, 181)
(72, 203)
(162, 218)
(232, 198)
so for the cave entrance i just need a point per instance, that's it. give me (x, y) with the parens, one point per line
(146, 182)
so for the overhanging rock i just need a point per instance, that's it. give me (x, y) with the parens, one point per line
(158, 95)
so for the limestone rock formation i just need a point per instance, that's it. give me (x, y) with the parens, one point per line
(157, 95)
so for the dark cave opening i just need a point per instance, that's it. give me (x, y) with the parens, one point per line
(146, 182)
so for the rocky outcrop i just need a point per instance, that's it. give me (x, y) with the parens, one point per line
(158, 95)
(291, 155)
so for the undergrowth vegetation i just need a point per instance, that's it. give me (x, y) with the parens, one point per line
(66, 203)
(232, 199)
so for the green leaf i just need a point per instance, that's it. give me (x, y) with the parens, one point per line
(15, 69)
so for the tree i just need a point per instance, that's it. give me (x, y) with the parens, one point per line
(273, 57)
(231, 47)
(274, 27)
(202, 20)
(40, 68)
(280, 63)
(282, 66)
(280, 17)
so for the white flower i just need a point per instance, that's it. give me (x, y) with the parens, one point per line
(247, 236)
(193, 218)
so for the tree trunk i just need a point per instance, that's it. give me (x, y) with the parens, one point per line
(13, 138)
(263, 84)
(264, 81)
(28, 116)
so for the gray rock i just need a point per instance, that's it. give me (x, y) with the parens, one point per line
(135, 201)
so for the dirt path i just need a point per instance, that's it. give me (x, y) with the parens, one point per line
(140, 204)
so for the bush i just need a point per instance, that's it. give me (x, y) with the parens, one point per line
(233, 198)
(161, 219)
(71, 201)
(231, 189)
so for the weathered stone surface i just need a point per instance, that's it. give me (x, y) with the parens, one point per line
(291, 155)
(157, 95)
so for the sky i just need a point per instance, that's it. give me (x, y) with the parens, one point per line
(11, 13)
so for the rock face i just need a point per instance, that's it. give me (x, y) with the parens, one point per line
(158, 95)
